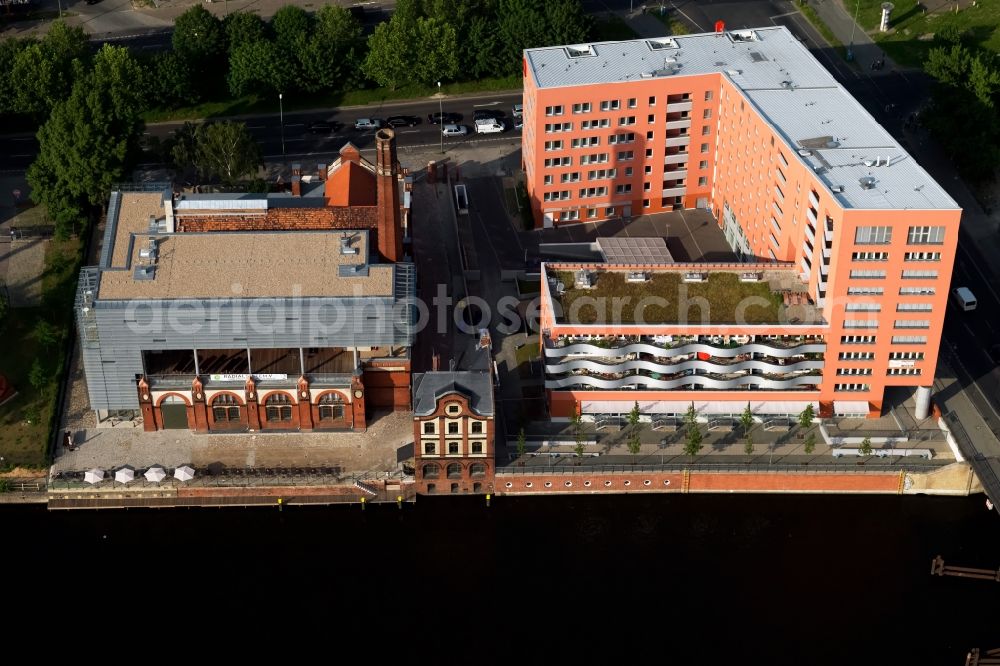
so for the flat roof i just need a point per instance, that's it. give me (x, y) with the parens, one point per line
(790, 89)
(756, 294)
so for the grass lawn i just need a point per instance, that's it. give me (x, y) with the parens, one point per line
(910, 39)
(620, 300)
(612, 29)
(255, 104)
(25, 421)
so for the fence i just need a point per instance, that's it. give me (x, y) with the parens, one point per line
(871, 467)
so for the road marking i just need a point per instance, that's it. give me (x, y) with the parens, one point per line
(258, 126)
(295, 124)
(487, 104)
(782, 15)
(407, 131)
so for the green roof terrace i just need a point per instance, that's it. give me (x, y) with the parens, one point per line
(685, 294)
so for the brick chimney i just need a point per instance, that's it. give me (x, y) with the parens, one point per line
(389, 231)
(321, 172)
(296, 180)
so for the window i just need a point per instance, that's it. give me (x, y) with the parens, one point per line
(909, 339)
(477, 469)
(558, 127)
(925, 236)
(595, 124)
(631, 102)
(569, 215)
(647, 169)
(591, 213)
(869, 256)
(595, 158)
(652, 101)
(917, 275)
(429, 427)
(646, 187)
(860, 323)
(558, 161)
(278, 407)
(912, 323)
(626, 137)
(626, 120)
(645, 203)
(856, 356)
(226, 408)
(866, 274)
(650, 119)
(851, 387)
(903, 371)
(863, 307)
(857, 339)
(914, 307)
(873, 236)
(453, 428)
(554, 110)
(625, 155)
(430, 448)
(865, 291)
(649, 152)
(922, 256)
(554, 145)
(609, 211)
(704, 147)
(571, 177)
(582, 107)
(854, 371)
(586, 142)
(431, 471)
(453, 448)
(628, 172)
(703, 164)
(906, 356)
(476, 426)
(477, 447)
(702, 180)
(586, 192)
(454, 471)
(917, 291)
(331, 407)
(610, 105)
(623, 189)
(649, 135)
(706, 130)
(708, 95)
(547, 180)
(454, 408)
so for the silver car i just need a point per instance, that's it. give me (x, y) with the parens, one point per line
(454, 130)
(367, 124)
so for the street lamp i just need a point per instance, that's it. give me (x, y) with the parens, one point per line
(441, 117)
(850, 47)
(281, 115)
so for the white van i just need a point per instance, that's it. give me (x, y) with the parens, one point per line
(489, 126)
(964, 298)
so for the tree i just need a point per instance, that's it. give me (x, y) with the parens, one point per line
(866, 447)
(746, 420)
(810, 443)
(693, 444)
(390, 53)
(436, 56)
(691, 416)
(806, 417)
(292, 26)
(633, 415)
(46, 334)
(182, 148)
(90, 140)
(566, 22)
(200, 42)
(171, 83)
(37, 376)
(259, 66)
(521, 446)
(227, 150)
(522, 25)
(634, 442)
(43, 72)
(484, 56)
(748, 445)
(332, 57)
(243, 28)
(9, 50)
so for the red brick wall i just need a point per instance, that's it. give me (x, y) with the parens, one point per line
(466, 483)
(386, 388)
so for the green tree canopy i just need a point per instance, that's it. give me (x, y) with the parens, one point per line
(292, 26)
(565, 22)
(170, 81)
(522, 25)
(44, 71)
(243, 28)
(257, 67)
(9, 50)
(390, 53)
(332, 57)
(90, 140)
(435, 57)
(227, 151)
(200, 41)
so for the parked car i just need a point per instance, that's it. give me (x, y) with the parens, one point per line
(487, 114)
(454, 130)
(489, 126)
(443, 118)
(518, 110)
(402, 121)
(518, 123)
(367, 124)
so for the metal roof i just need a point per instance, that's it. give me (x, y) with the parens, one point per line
(634, 250)
(792, 91)
(474, 385)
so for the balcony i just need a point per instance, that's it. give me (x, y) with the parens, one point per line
(679, 124)
(678, 141)
(810, 235)
(674, 107)
(674, 191)
(828, 231)
(676, 158)
(813, 201)
(811, 215)
(678, 175)
(826, 254)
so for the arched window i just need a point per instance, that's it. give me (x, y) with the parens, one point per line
(278, 407)
(431, 471)
(225, 408)
(477, 469)
(331, 407)
(477, 427)
(454, 471)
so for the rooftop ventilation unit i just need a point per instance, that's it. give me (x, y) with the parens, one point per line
(345, 246)
(787, 84)
(805, 153)
(867, 182)
(147, 272)
(154, 225)
(580, 51)
(661, 43)
(149, 252)
(837, 188)
(742, 36)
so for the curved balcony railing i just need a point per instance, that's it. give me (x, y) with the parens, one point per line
(707, 383)
(583, 348)
(672, 368)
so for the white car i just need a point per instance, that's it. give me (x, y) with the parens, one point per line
(518, 110)
(454, 130)
(367, 124)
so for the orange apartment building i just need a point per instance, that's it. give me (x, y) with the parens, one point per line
(821, 204)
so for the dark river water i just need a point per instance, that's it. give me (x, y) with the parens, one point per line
(714, 579)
